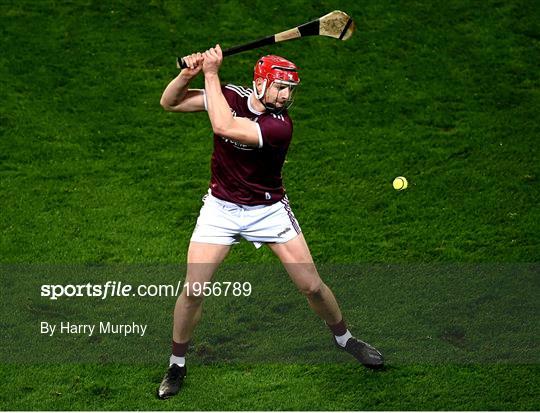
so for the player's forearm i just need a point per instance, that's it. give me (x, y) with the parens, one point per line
(219, 111)
(175, 92)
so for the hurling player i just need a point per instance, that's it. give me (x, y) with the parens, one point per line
(246, 199)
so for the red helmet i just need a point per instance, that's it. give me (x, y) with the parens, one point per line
(273, 67)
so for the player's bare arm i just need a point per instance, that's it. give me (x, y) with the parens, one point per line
(177, 97)
(223, 122)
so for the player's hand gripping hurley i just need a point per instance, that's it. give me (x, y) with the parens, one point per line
(336, 24)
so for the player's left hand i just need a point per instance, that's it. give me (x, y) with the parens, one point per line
(212, 60)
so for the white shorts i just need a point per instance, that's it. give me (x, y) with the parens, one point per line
(222, 222)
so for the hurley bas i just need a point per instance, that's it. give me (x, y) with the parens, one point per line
(66, 327)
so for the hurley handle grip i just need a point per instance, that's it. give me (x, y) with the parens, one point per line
(265, 41)
(180, 64)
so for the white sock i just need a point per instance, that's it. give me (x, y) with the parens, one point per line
(342, 340)
(181, 361)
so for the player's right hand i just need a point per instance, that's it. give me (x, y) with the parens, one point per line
(194, 64)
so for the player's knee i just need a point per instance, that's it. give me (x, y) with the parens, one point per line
(313, 289)
(191, 299)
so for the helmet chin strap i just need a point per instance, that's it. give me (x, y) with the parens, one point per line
(263, 89)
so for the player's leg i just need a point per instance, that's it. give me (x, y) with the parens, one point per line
(297, 260)
(216, 230)
(203, 261)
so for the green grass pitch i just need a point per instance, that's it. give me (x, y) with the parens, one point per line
(93, 171)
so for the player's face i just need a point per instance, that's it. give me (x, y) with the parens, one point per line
(279, 94)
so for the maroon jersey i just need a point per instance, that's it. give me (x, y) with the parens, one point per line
(251, 175)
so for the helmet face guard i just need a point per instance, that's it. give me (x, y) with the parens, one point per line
(279, 96)
(280, 76)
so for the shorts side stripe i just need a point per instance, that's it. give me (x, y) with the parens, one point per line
(294, 222)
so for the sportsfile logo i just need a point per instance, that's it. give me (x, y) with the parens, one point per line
(110, 289)
(120, 289)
